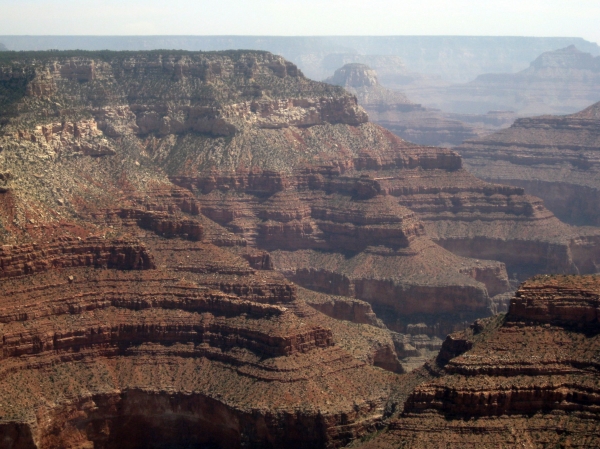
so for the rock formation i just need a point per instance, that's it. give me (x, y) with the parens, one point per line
(394, 111)
(527, 379)
(287, 165)
(129, 319)
(554, 157)
(99, 347)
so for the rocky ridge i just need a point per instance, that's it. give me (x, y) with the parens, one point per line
(553, 157)
(529, 378)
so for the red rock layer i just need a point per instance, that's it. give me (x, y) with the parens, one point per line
(92, 252)
(206, 341)
(529, 378)
(356, 242)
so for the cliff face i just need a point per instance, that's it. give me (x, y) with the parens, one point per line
(94, 356)
(528, 379)
(553, 157)
(128, 318)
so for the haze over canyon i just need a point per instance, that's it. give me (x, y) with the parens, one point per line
(312, 242)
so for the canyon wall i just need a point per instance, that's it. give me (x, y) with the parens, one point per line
(528, 378)
(118, 343)
(553, 157)
(289, 166)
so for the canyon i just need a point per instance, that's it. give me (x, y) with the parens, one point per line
(552, 157)
(287, 165)
(212, 249)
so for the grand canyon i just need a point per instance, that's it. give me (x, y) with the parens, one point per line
(210, 249)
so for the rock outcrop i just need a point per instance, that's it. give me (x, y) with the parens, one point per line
(527, 379)
(96, 355)
(556, 158)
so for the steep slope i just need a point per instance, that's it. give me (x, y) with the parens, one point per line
(554, 157)
(129, 319)
(252, 138)
(529, 379)
(192, 346)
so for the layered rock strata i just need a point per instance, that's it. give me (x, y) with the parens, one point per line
(553, 157)
(96, 355)
(129, 318)
(288, 165)
(339, 243)
(142, 300)
(529, 378)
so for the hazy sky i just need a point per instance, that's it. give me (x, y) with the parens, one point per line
(579, 18)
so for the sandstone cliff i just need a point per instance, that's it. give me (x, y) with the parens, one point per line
(528, 379)
(553, 157)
